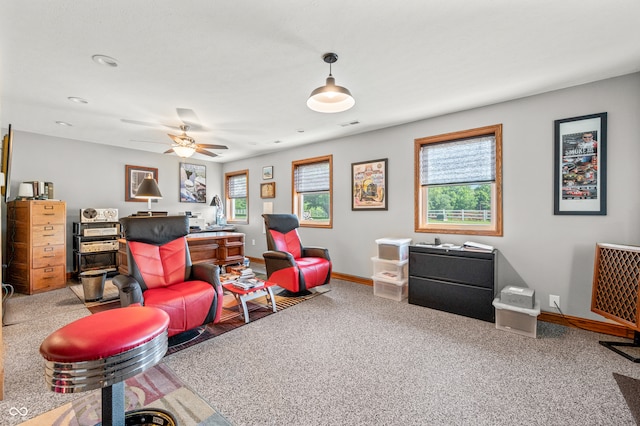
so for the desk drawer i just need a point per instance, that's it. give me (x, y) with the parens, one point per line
(445, 267)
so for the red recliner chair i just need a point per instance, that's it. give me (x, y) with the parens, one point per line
(161, 274)
(289, 264)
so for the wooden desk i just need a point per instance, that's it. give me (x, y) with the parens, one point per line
(220, 248)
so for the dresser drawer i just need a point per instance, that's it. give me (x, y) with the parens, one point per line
(48, 256)
(43, 213)
(49, 278)
(43, 235)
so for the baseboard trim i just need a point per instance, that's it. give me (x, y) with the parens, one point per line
(566, 320)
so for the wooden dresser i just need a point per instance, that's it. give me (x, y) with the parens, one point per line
(36, 245)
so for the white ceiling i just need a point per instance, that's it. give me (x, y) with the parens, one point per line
(246, 67)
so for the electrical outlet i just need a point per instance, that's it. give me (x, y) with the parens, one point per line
(253, 242)
(554, 301)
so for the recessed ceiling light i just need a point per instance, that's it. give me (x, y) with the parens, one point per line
(107, 61)
(64, 123)
(78, 100)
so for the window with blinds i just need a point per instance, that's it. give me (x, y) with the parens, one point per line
(312, 191)
(458, 180)
(237, 196)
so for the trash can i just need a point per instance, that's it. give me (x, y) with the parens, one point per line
(93, 284)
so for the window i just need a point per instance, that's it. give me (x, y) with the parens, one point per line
(458, 182)
(312, 191)
(237, 196)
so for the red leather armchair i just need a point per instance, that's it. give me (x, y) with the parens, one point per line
(161, 273)
(289, 264)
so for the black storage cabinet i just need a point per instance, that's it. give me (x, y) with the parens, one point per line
(452, 280)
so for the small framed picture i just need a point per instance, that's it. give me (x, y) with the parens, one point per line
(267, 172)
(369, 185)
(134, 175)
(580, 165)
(268, 190)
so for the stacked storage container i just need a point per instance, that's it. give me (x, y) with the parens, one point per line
(390, 268)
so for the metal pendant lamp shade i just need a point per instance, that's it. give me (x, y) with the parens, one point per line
(330, 98)
(148, 189)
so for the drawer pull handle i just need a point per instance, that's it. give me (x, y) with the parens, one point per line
(48, 249)
(48, 235)
(47, 257)
(48, 207)
(48, 269)
(48, 228)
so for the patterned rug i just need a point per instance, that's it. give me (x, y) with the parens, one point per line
(157, 387)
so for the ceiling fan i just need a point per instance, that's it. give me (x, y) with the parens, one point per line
(184, 145)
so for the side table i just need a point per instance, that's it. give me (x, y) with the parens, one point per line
(242, 296)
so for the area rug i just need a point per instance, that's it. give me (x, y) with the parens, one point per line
(630, 389)
(157, 387)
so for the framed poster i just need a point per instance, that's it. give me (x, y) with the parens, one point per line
(193, 183)
(580, 165)
(268, 190)
(369, 185)
(267, 172)
(134, 175)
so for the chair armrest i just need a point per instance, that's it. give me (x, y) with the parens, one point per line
(276, 260)
(128, 289)
(207, 272)
(315, 252)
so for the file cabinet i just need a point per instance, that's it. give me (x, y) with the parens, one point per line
(36, 253)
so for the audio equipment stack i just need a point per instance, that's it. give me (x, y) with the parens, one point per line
(95, 241)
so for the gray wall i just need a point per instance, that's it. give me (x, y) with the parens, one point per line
(551, 254)
(93, 175)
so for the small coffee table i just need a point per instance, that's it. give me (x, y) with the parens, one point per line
(242, 296)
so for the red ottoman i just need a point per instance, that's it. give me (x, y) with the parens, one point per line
(102, 351)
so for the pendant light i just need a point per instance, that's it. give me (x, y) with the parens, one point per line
(330, 98)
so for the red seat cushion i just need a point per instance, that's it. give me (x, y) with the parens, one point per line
(314, 269)
(187, 303)
(104, 334)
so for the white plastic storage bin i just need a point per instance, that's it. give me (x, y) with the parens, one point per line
(390, 269)
(390, 289)
(393, 248)
(517, 320)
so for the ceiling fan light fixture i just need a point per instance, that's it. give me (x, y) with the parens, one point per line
(330, 98)
(184, 151)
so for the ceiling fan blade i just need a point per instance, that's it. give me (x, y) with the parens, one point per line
(205, 152)
(175, 138)
(169, 151)
(189, 117)
(206, 145)
(146, 123)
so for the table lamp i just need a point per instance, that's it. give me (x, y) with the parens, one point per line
(148, 189)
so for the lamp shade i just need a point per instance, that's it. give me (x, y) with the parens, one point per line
(148, 189)
(25, 190)
(330, 98)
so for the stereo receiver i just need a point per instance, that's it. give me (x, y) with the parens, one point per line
(99, 232)
(95, 246)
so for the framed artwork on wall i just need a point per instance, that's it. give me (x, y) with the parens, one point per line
(369, 185)
(268, 190)
(267, 172)
(193, 183)
(580, 165)
(134, 175)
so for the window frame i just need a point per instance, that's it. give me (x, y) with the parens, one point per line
(295, 196)
(421, 193)
(229, 202)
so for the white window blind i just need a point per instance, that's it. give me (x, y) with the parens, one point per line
(314, 177)
(237, 186)
(464, 161)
